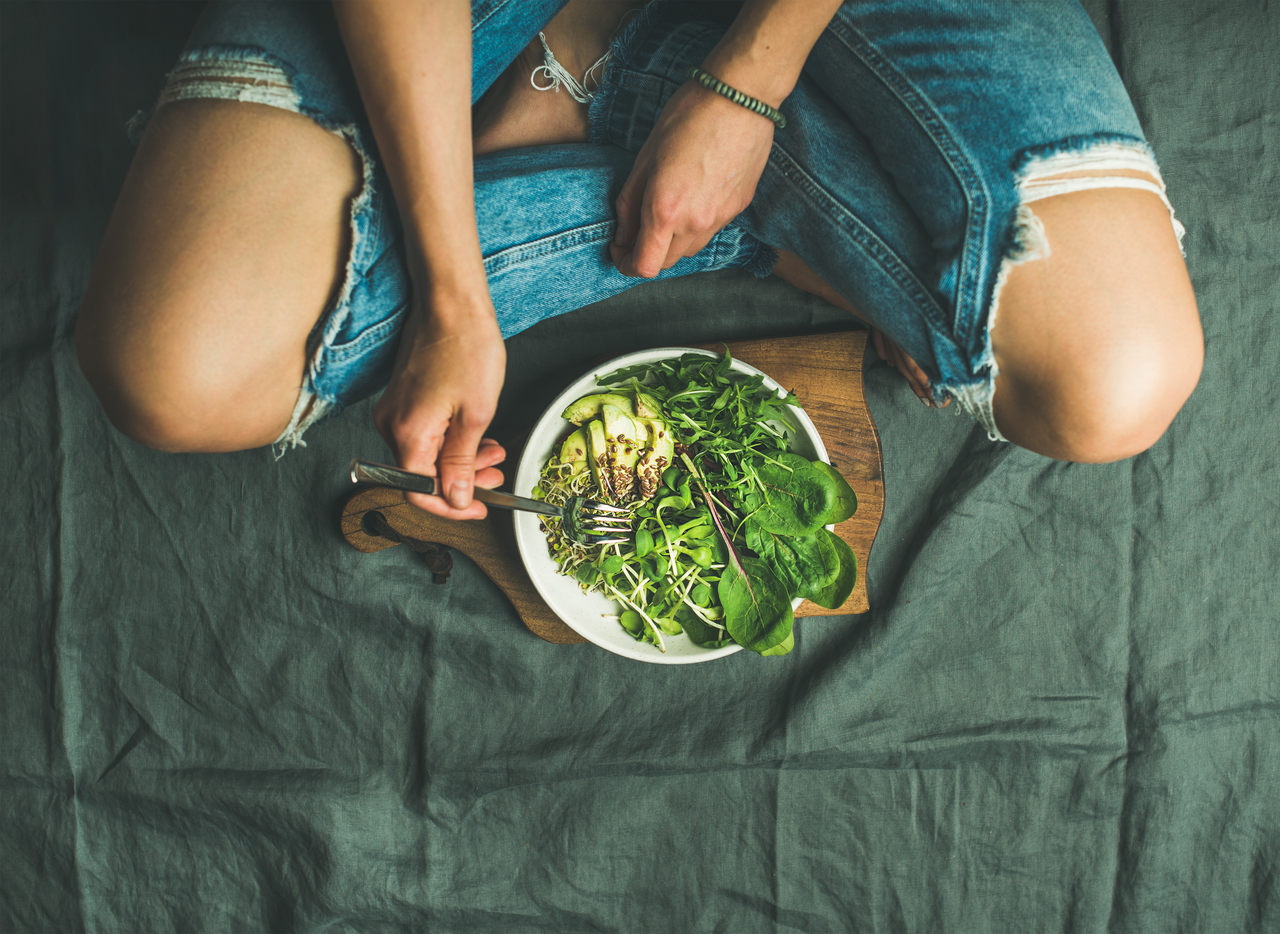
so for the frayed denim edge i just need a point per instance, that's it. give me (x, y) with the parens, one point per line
(332, 320)
(601, 110)
(1036, 173)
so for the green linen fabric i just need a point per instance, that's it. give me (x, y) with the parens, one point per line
(1061, 713)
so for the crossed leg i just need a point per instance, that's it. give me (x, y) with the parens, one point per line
(1098, 343)
(228, 242)
(226, 245)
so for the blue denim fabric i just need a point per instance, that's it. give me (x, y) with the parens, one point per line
(896, 178)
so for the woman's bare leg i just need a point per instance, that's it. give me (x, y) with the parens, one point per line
(1098, 344)
(226, 244)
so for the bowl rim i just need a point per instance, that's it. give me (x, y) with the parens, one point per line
(530, 540)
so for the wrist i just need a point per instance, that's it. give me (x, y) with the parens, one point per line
(767, 44)
(752, 74)
(452, 298)
(732, 94)
(457, 306)
(449, 280)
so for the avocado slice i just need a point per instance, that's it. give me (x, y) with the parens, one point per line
(598, 456)
(623, 439)
(574, 450)
(589, 406)
(660, 450)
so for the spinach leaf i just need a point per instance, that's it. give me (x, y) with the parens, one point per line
(783, 647)
(819, 566)
(796, 495)
(770, 546)
(757, 608)
(800, 496)
(843, 501)
(828, 567)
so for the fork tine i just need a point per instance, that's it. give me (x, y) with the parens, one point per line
(616, 522)
(591, 522)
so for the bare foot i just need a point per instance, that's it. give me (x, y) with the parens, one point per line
(514, 113)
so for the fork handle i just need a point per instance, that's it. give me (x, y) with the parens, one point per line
(385, 475)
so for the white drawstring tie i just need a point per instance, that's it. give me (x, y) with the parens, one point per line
(553, 73)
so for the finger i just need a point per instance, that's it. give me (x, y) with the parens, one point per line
(617, 256)
(489, 477)
(489, 453)
(457, 460)
(653, 243)
(628, 210)
(419, 452)
(624, 234)
(684, 245)
(414, 449)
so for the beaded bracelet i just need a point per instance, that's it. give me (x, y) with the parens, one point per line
(754, 104)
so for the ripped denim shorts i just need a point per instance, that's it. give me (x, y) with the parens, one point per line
(917, 138)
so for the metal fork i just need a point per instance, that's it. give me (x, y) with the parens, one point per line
(586, 521)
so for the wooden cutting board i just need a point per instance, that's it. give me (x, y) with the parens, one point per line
(824, 371)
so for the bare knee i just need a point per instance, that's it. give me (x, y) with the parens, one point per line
(228, 241)
(169, 399)
(1108, 405)
(1099, 344)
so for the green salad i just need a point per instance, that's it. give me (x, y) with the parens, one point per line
(728, 521)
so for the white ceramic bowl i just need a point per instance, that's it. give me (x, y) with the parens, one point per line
(593, 615)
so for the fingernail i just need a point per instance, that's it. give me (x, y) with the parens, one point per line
(459, 495)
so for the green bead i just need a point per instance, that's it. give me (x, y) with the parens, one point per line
(755, 105)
